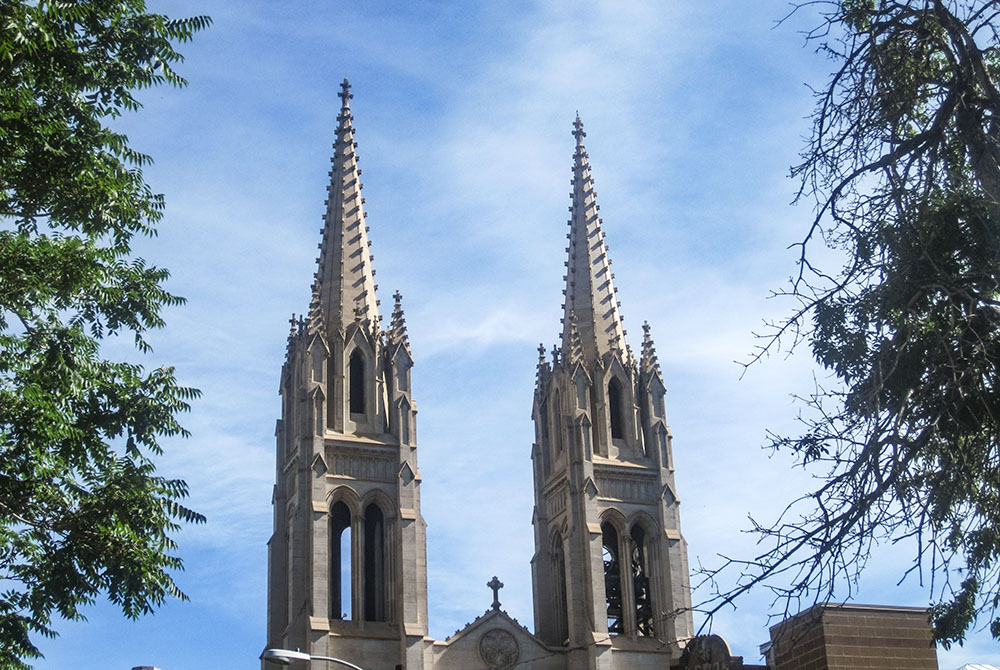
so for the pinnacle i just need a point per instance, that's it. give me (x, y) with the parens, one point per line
(649, 363)
(397, 327)
(543, 367)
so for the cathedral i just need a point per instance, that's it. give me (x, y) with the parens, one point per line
(347, 561)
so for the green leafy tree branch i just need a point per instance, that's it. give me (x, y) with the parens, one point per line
(82, 510)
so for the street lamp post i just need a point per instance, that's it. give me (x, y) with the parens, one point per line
(286, 657)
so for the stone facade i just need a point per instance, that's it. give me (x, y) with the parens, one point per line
(843, 637)
(347, 574)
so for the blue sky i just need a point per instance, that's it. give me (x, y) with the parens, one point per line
(463, 111)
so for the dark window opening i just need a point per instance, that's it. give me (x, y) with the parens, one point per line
(615, 397)
(331, 395)
(612, 579)
(543, 418)
(640, 584)
(357, 383)
(556, 424)
(562, 606)
(374, 564)
(340, 562)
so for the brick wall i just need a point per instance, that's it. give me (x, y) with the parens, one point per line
(845, 637)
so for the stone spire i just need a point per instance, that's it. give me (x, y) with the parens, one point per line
(345, 278)
(590, 292)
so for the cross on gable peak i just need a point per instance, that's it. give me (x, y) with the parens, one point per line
(496, 585)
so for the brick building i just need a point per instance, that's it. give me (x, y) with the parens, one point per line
(842, 637)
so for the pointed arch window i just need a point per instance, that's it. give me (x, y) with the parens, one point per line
(557, 440)
(640, 583)
(616, 398)
(612, 578)
(375, 591)
(541, 417)
(561, 603)
(356, 391)
(340, 562)
(332, 395)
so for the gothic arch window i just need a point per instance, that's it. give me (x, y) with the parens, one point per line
(557, 442)
(340, 561)
(543, 437)
(612, 577)
(561, 603)
(644, 423)
(356, 381)
(641, 584)
(375, 569)
(331, 394)
(289, 570)
(616, 406)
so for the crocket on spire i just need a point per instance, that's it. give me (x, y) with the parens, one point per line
(591, 301)
(346, 279)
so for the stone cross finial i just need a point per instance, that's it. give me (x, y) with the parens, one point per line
(345, 90)
(496, 585)
(578, 129)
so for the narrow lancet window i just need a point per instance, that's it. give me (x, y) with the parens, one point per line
(543, 414)
(612, 578)
(332, 396)
(374, 564)
(340, 562)
(357, 383)
(556, 424)
(640, 584)
(561, 605)
(615, 398)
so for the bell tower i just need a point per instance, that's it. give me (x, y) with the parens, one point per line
(347, 572)
(609, 572)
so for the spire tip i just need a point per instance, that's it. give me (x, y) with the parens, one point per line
(345, 91)
(578, 132)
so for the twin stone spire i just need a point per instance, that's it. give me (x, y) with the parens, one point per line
(344, 286)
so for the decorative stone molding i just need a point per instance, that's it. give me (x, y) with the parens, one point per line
(627, 488)
(358, 464)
